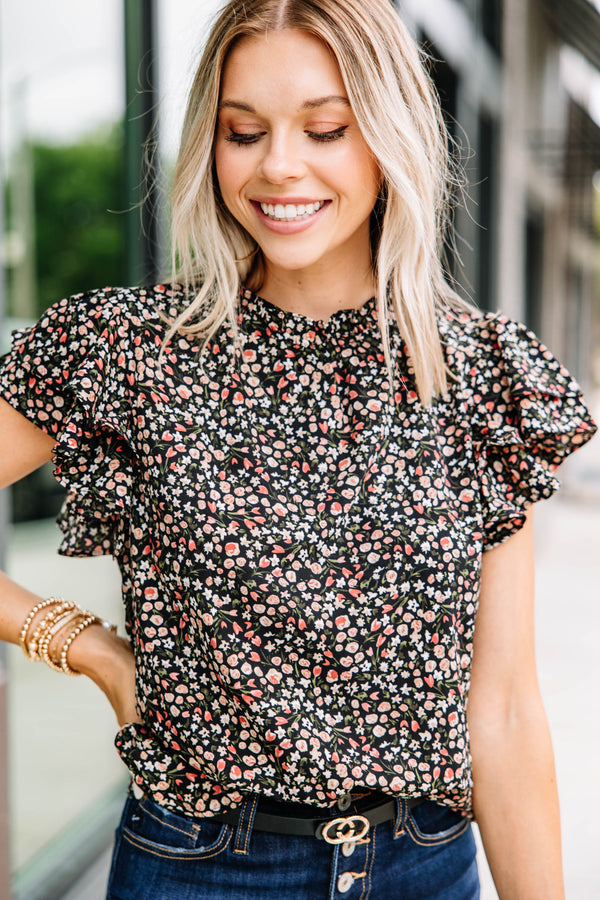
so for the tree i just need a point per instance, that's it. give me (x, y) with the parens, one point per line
(79, 217)
(79, 245)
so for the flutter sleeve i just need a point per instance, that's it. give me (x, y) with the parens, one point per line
(69, 375)
(528, 414)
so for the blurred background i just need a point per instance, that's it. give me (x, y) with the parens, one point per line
(83, 87)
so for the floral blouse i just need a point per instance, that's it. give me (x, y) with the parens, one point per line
(300, 550)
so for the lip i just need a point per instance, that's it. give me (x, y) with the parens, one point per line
(288, 227)
(297, 201)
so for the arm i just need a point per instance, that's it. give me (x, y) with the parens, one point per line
(104, 657)
(515, 797)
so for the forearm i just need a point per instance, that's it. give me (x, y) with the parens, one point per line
(516, 805)
(106, 658)
(15, 604)
(96, 652)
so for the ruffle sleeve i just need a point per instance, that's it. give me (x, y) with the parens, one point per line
(69, 375)
(526, 415)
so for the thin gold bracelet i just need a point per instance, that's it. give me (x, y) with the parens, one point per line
(90, 619)
(67, 617)
(38, 636)
(26, 624)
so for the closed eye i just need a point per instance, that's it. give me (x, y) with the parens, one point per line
(325, 136)
(236, 137)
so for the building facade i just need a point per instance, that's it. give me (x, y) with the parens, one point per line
(517, 80)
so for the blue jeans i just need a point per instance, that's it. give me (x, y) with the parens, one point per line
(426, 853)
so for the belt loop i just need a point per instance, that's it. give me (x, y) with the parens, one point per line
(244, 826)
(399, 824)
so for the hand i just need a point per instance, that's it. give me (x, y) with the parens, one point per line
(108, 660)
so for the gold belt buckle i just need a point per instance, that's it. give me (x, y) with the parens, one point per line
(348, 829)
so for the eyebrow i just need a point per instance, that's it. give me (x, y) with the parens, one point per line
(308, 104)
(322, 101)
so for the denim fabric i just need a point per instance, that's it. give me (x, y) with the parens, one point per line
(428, 853)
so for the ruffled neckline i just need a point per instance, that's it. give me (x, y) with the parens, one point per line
(256, 313)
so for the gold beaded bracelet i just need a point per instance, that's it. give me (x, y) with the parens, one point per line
(27, 623)
(39, 635)
(59, 617)
(67, 618)
(63, 665)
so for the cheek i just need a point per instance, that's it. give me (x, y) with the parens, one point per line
(221, 171)
(230, 172)
(372, 177)
(358, 172)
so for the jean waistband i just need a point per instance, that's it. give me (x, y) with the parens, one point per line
(353, 815)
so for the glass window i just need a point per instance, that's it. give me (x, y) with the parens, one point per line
(491, 23)
(63, 99)
(63, 146)
(487, 159)
(446, 82)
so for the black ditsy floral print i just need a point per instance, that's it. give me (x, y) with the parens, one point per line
(300, 547)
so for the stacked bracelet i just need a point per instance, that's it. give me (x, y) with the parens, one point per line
(64, 619)
(38, 606)
(45, 629)
(83, 624)
(61, 615)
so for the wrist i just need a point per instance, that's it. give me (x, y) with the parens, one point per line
(108, 660)
(76, 642)
(50, 629)
(97, 652)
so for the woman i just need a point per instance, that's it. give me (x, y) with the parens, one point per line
(298, 457)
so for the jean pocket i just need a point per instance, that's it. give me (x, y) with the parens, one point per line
(152, 828)
(430, 824)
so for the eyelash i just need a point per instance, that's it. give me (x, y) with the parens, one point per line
(322, 137)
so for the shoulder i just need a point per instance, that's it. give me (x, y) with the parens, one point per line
(486, 349)
(136, 305)
(115, 315)
(469, 333)
(524, 411)
(100, 324)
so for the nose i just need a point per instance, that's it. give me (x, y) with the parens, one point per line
(282, 159)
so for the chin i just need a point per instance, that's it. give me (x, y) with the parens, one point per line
(292, 263)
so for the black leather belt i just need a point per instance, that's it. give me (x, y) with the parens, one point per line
(346, 826)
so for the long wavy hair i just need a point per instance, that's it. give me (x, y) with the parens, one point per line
(398, 112)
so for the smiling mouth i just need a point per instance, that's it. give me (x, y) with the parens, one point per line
(291, 212)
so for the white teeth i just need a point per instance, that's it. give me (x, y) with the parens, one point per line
(291, 212)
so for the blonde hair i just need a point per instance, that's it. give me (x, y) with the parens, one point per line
(398, 111)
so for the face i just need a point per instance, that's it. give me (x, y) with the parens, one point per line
(292, 165)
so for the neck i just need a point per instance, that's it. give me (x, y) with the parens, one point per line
(317, 295)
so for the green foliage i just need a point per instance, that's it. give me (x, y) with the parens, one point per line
(79, 245)
(79, 219)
